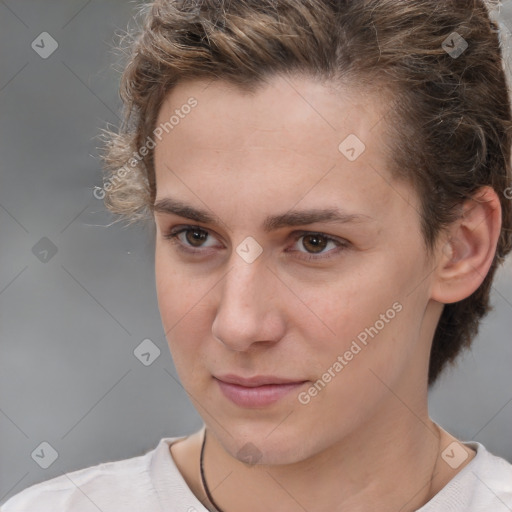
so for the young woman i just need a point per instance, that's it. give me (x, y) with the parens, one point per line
(327, 180)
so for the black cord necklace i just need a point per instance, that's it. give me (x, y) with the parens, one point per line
(203, 479)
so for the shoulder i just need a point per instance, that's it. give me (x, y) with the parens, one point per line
(121, 485)
(484, 485)
(493, 476)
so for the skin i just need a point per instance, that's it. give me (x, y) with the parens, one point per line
(243, 157)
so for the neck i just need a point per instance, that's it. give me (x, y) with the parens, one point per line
(357, 473)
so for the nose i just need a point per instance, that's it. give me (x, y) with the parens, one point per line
(249, 309)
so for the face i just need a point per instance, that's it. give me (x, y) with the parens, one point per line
(269, 281)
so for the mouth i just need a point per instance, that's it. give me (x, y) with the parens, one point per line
(256, 392)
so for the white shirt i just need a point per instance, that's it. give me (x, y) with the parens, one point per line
(153, 483)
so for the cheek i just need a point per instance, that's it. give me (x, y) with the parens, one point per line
(347, 305)
(184, 320)
(181, 301)
(365, 315)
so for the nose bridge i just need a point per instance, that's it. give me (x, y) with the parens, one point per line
(243, 288)
(245, 304)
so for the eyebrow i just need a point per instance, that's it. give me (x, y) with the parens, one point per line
(169, 205)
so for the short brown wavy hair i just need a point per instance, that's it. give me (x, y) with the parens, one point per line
(449, 126)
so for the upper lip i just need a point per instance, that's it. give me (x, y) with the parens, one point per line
(257, 380)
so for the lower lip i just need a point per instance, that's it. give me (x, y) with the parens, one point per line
(259, 396)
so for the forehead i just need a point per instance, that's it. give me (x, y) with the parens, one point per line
(306, 113)
(287, 142)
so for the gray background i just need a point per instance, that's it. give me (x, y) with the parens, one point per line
(69, 326)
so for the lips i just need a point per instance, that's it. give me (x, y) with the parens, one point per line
(256, 392)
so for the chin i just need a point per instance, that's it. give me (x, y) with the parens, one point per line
(254, 446)
(253, 455)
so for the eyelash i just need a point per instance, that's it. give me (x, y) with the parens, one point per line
(173, 234)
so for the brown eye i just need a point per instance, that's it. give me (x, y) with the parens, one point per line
(191, 239)
(315, 243)
(195, 237)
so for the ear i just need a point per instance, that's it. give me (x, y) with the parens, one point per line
(466, 251)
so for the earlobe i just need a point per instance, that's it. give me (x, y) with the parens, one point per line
(469, 247)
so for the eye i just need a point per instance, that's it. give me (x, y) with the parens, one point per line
(317, 242)
(191, 242)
